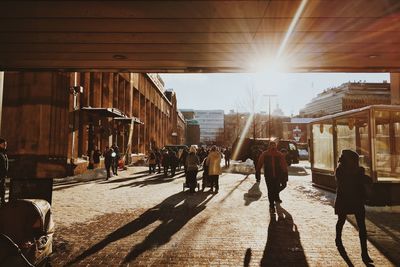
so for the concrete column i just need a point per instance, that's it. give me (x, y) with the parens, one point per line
(395, 88)
(1, 95)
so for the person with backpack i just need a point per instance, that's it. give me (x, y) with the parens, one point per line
(275, 171)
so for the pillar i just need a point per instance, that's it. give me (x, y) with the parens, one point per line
(1, 94)
(395, 88)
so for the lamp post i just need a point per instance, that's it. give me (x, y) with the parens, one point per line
(269, 114)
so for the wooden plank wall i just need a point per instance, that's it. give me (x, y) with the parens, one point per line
(35, 122)
(45, 132)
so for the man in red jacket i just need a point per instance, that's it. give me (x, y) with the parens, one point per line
(275, 173)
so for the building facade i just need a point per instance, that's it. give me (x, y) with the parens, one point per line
(347, 96)
(211, 125)
(297, 129)
(53, 120)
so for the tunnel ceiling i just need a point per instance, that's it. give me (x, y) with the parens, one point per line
(201, 36)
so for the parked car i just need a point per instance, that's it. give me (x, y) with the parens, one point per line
(175, 148)
(303, 151)
(249, 148)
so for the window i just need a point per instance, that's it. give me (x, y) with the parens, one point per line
(323, 146)
(352, 133)
(387, 151)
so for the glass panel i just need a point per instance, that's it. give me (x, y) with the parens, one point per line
(386, 145)
(395, 158)
(352, 133)
(323, 146)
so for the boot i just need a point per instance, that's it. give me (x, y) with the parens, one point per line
(364, 251)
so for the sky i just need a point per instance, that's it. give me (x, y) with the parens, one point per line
(233, 91)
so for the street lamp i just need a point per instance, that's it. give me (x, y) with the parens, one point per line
(269, 114)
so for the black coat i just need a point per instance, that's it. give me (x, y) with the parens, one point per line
(3, 164)
(350, 192)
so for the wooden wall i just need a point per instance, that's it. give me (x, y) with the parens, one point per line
(36, 122)
(47, 131)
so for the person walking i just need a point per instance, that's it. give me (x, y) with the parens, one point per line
(116, 157)
(158, 159)
(351, 198)
(192, 167)
(3, 170)
(227, 155)
(214, 168)
(152, 162)
(255, 155)
(96, 157)
(275, 171)
(108, 161)
(173, 162)
(183, 157)
(165, 162)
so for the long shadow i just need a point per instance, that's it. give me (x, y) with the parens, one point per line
(283, 246)
(120, 180)
(297, 171)
(58, 187)
(253, 194)
(172, 221)
(157, 179)
(234, 188)
(173, 218)
(386, 225)
(247, 258)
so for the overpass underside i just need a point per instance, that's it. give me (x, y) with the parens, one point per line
(201, 36)
(47, 47)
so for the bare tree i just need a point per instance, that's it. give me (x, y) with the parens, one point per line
(251, 104)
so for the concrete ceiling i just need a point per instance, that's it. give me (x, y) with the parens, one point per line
(201, 36)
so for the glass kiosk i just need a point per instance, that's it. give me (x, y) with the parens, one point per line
(374, 132)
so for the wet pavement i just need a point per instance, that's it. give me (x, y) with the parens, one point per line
(136, 219)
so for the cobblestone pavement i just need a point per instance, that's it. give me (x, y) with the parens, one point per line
(142, 220)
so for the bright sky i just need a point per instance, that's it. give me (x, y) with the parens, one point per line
(231, 91)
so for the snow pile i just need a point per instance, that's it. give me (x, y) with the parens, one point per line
(246, 167)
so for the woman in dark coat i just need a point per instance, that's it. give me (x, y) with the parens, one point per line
(192, 167)
(351, 197)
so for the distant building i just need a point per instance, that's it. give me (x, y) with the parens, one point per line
(188, 114)
(278, 112)
(211, 124)
(347, 96)
(192, 132)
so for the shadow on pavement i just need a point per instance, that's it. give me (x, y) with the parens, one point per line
(343, 254)
(156, 179)
(247, 258)
(383, 227)
(283, 246)
(124, 179)
(234, 188)
(252, 195)
(172, 216)
(297, 171)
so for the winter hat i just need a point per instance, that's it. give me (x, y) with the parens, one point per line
(349, 154)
